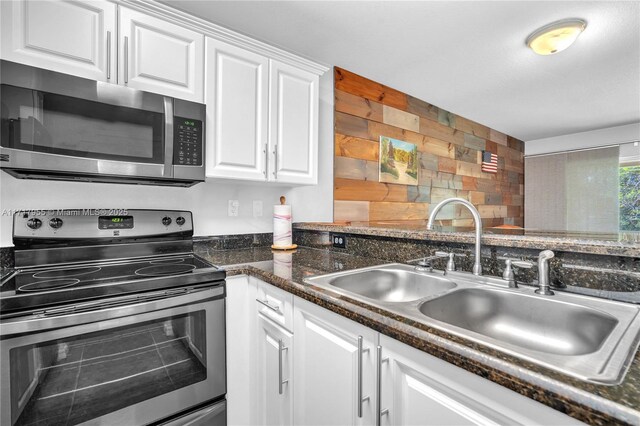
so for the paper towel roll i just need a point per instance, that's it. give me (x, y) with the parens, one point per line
(282, 226)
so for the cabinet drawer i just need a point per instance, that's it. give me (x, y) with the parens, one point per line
(275, 304)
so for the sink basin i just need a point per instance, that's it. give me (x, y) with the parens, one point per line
(534, 323)
(392, 285)
(588, 338)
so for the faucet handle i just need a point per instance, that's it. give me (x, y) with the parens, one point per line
(522, 264)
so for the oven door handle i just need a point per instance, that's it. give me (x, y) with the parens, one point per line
(103, 310)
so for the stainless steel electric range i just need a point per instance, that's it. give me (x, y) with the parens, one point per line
(109, 318)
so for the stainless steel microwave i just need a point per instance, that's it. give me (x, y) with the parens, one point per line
(62, 127)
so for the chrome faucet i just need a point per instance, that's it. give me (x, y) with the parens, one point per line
(477, 267)
(543, 272)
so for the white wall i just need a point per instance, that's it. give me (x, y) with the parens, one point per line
(594, 138)
(208, 201)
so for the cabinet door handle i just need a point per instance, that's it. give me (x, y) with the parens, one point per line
(379, 411)
(269, 305)
(281, 383)
(108, 55)
(361, 400)
(275, 161)
(126, 60)
(265, 151)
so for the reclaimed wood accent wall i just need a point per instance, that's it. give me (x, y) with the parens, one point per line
(449, 151)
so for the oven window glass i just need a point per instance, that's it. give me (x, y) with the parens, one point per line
(56, 124)
(73, 380)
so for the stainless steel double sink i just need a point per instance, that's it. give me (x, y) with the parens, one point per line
(585, 337)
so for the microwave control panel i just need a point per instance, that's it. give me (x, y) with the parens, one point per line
(187, 142)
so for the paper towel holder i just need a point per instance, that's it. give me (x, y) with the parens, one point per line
(283, 200)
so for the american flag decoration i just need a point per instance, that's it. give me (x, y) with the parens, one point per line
(489, 162)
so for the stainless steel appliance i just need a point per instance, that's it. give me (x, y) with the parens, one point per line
(62, 127)
(110, 318)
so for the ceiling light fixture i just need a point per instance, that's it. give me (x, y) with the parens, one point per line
(555, 37)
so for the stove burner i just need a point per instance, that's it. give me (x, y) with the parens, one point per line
(48, 285)
(69, 272)
(166, 269)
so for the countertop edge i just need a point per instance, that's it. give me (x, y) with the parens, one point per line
(577, 403)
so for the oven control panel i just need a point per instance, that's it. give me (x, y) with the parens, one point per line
(187, 142)
(100, 223)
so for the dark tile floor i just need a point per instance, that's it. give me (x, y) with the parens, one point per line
(107, 372)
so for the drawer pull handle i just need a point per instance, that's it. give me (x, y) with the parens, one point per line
(269, 305)
(281, 383)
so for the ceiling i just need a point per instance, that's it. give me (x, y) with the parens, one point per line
(467, 57)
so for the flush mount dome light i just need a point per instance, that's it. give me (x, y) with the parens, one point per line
(556, 37)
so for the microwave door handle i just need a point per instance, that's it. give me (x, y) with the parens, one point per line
(168, 137)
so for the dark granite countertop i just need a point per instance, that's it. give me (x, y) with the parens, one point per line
(583, 243)
(593, 404)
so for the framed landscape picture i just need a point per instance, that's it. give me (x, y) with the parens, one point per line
(398, 161)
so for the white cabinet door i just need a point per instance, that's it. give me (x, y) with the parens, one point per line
(326, 365)
(241, 338)
(274, 374)
(293, 140)
(237, 112)
(72, 37)
(420, 389)
(161, 57)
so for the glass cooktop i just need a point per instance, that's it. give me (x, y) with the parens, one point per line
(49, 285)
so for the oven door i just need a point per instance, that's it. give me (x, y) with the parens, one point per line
(131, 364)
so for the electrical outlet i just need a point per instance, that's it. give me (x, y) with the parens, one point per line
(234, 207)
(339, 240)
(257, 208)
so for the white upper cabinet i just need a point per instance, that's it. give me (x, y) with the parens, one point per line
(293, 139)
(237, 112)
(71, 37)
(160, 57)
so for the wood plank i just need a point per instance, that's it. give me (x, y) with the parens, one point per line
(469, 155)
(491, 147)
(476, 197)
(357, 85)
(469, 183)
(350, 211)
(515, 144)
(444, 133)
(468, 169)
(472, 128)
(424, 143)
(419, 194)
(423, 109)
(353, 168)
(493, 199)
(492, 211)
(440, 180)
(497, 137)
(350, 125)
(397, 211)
(446, 118)
(474, 142)
(361, 190)
(349, 146)
(486, 185)
(447, 165)
(428, 161)
(358, 106)
(441, 194)
(398, 118)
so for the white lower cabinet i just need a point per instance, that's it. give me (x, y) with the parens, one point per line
(274, 387)
(240, 327)
(420, 389)
(334, 368)
(329, 375)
